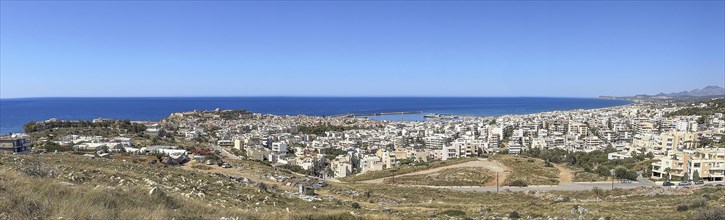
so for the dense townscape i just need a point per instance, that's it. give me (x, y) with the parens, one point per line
(675, 144)
(686, 146)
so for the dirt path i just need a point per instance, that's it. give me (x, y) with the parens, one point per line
(565, 174)
(491, 165)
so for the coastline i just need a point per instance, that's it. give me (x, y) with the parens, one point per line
(16, 112)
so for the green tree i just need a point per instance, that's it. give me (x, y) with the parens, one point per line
(623, 173)
(603, 171)
(609, 123)
(668, 172)
(696, 176)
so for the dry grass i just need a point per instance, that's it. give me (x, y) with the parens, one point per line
(531, 170)
(201, 167)
(404, 169)
(75, 187)
(581, 176)
(461, 176)
(25, 197)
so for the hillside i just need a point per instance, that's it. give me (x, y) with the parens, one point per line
(702, 108)
(76, 187)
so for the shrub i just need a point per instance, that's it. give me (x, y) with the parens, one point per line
(355, 205)
(711, 213)
(453, 212)
(548, 164)
(694, 203)
(514, 215)
(201, 167)
(520, 183)
(682, 207)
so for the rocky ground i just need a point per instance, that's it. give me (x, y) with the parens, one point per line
(71, 186)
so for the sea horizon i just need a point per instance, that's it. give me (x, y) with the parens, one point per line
(18, 111)
(292, 96)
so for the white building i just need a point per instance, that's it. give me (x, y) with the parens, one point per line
(279, 147)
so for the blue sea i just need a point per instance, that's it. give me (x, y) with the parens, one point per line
(14, 113)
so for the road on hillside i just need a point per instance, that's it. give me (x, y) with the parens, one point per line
(561, 187)
(491, 165)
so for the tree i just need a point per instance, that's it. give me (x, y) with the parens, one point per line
(623, 173)
(696, 175)
(650, 155)
(668, 170)
(609, 123)
(603, 171)
(701, 120)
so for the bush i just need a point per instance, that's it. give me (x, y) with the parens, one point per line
(603, 171)
(519, 183)
(52, 146)
(682, 207)
(695, 203)
(201, 167)
(548, 164)
(453, 212)
(623, 173)
(514, 215)
(355, 205)
(711, 213)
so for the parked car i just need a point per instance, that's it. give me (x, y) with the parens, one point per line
(226, 165)
(668, 184)
(699, 182)
(626, 181)
(685, 183)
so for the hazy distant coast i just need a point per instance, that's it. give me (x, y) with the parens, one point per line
(16, 112)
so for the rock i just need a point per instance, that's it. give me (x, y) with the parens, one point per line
(156, 192)
(562, 199)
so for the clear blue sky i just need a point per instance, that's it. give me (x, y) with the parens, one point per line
(524, 48)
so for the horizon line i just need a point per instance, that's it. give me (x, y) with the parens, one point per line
(292, 96)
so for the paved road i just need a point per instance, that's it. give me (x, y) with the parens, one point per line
(491, 165)
(562, 187)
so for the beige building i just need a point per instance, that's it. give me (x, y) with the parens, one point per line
(578, 128)
(708, 163)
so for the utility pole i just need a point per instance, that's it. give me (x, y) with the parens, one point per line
(496, 181)
(613, 175)
(393, 176)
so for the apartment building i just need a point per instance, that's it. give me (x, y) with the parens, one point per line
(708, 163)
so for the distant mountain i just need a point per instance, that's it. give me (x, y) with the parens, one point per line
(707, 91)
